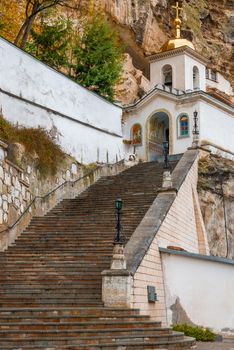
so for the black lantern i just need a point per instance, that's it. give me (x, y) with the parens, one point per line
(195, 126)
(165, 152)
(118, 204)
(119, 238)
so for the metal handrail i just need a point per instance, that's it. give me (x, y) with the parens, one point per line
(51, 192)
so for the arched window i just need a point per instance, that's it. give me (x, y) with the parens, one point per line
(213, 75)
(167, 75)
(196, 78)
(183, 126)
(136, 135)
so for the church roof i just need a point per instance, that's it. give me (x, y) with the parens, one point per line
(176, 95)
(178, 51)
(175, 43)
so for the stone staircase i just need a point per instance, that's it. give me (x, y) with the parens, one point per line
(50, 278)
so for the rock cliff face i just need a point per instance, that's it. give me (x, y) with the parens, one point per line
(216, 191)
(144, 25)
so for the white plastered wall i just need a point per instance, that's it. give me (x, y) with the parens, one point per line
(178, 71)
(216, 126)
(190, 63)
(221, 84)
(24, 77)
(204, 288)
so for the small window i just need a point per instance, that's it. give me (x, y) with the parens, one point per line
(207, 73)
(136, 135)
(196, 78)
(213, 75)
(167, 75)
(183, 126)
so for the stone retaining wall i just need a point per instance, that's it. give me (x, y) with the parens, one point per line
(24, 193)
(15, 192)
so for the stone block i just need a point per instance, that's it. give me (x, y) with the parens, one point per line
(13, 180)
(1, 173)
(68, 175)
(12, 215)
(28, 196)
(21, 208)
(17, 185)
(4, 197)
(2, 154)
(1, 216)
(5, 218)
(29, 169)
(74, 169)
(17, 202)
(5, 206)
(7, 179)
(117, 286)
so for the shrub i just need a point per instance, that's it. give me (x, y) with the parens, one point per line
(199, 333)
(35, 140)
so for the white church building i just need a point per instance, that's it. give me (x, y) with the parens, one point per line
(92, 129)
(180, 84)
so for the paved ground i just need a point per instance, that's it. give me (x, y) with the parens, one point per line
(214, 346)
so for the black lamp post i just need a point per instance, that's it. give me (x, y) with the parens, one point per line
(165, 152)
(195, 126)
(118, 206)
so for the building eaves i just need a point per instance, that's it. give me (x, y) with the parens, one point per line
(176, 52)
(179, 95)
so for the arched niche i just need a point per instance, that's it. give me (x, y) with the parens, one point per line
(167, 75)
(136, 134)
(196, 78)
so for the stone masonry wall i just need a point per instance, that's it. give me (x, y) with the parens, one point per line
(15, 192)
(182, 227)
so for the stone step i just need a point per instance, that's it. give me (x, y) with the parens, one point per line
(37, 319)
(66, 326)
(79, 332)
(126, 344)
(61, 311)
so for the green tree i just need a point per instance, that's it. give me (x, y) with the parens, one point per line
(51, 45)
(98, 57)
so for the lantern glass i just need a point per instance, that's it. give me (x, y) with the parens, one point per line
(165, 145)
(119, 204)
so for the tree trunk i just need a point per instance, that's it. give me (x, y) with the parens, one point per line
(20, 33)
(27, 31)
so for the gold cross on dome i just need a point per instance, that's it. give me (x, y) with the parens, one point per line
(177, 9)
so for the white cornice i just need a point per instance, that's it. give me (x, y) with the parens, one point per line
(175, 52)
(186, 98)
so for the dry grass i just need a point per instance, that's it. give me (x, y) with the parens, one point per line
(35, 140)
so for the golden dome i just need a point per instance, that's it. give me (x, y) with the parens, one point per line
(175, 43)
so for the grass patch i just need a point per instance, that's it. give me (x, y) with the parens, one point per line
(35, 140)
(199, 333)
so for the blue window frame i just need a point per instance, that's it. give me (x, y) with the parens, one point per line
(183, 126)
